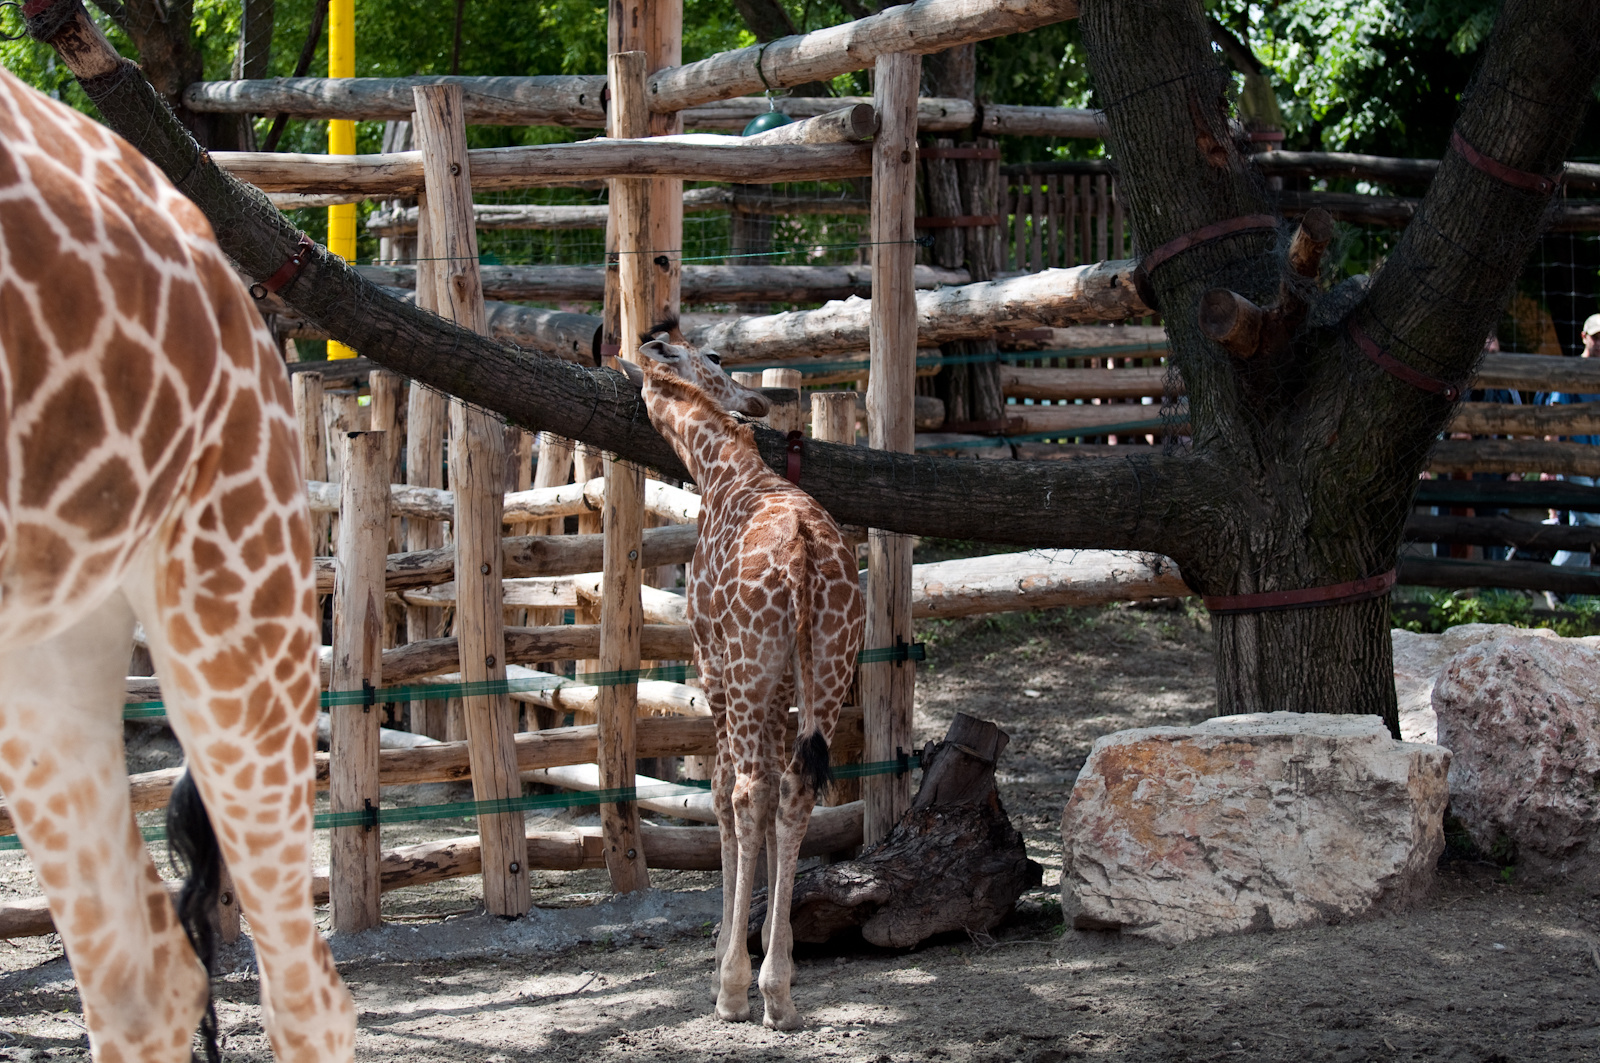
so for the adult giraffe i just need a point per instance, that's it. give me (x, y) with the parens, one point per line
(776, 613)
(150, 471)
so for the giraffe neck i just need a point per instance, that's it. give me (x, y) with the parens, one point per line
(719, 452)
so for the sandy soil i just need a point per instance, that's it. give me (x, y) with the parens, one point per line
(1489, 969)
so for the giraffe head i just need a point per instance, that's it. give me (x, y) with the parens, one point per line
(667, 354)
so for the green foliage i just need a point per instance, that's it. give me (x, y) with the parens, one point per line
(1580, 615)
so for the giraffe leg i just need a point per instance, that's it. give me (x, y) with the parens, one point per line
(772, 738)
(722, 801)
(795, 800)
(238, 675)
(752, 804)
(63, 771)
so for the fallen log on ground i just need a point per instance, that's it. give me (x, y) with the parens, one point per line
(953, 862)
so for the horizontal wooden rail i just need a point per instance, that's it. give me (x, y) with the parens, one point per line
(1518, 575)
(1385, 169)
(1567, 216)
(701, 284)
(1100, 291)
(562, 100)
(662, 500)
(1040, 579)
(1501, 531)
(1503, 418)
(526, 555)
(658, 736)
(920, 28)
(515, 217)
(678, 848)
(1001, 119)
(524, 645)
(1517, 372)
(1514, 455)
(696, 157)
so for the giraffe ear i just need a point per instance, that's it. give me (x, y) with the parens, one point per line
(658, 351)
(632, 371)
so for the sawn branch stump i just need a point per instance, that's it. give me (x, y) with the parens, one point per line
(952, 862)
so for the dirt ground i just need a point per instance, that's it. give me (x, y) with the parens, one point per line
(1488, 969)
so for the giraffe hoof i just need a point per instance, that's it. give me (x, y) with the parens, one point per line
(782, 1020)
(738, 1013)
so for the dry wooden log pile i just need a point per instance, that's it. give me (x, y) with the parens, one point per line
(952, 862)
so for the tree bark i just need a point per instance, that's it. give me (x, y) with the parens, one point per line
(1322, 446)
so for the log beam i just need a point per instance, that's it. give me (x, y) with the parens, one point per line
(701, 284)
(1098, 292)
(916, 29)
(693, 157)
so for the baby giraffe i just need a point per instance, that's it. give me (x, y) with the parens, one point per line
(776, 612)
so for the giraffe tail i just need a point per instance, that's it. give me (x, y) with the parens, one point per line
(811, 752)
(197, 856)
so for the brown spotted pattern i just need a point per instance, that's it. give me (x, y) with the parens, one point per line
(151, 473)
(775, 608)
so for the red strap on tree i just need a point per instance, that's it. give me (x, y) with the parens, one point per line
(791, 471)
(1205, 234)
(1358, 590)
(1528, 182)
(1398, 369)
(286, 272)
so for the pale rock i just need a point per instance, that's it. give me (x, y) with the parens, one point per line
(1256, 822)
(1419, 659)
(1521, 714)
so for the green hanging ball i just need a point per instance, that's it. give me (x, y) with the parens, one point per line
(765, 121)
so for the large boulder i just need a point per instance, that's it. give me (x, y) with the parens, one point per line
(1521, 714)
(1255, 822)
(1419, 660)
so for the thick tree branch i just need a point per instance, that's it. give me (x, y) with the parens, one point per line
(1144, 501)
(1445, 284)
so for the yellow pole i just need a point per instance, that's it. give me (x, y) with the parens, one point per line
(342, 138)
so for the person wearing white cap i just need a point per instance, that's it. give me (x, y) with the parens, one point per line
(1591, 349)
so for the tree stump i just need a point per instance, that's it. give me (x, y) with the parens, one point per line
(952, 862)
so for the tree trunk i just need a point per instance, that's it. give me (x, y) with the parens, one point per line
(953, 862)
(171, 58)
(1324, 447)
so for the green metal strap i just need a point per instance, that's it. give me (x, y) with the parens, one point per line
(676, 673)
(533, 802)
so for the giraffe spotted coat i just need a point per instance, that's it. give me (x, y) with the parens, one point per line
(776, 612)
(151, 473)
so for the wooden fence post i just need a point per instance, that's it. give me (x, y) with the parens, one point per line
(307, 388)
(427, 414)
(477, 473)
(784, 418)
(358, 601)
(886, 688)
(621, 611)
(833, 420)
